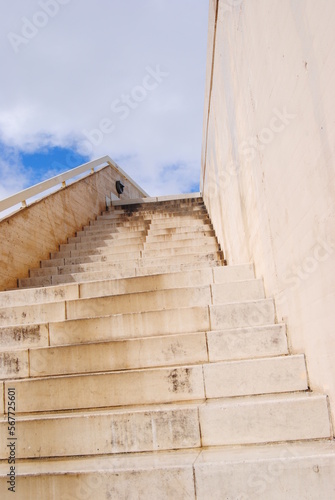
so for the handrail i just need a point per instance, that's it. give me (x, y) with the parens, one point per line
(24, 195)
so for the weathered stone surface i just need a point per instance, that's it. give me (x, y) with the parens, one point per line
(244, 343)
(135, 325)
(161, 477)
(20, 337)
(255, 376)
(289, 471)
(262, 419)
(132, 387)
(119, 355)
(14, 364)
(107, 431)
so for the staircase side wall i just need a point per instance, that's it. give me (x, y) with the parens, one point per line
(268, 166)
(31, 234)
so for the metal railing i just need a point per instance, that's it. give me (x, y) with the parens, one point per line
(61, 179)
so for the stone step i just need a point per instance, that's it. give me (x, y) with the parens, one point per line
(112, 227)
(201, 235)
(230, 422)
(153, 214)
(33, 314)
(154, 351)
(167, 298)
(150, 352)
(131, 239)
(125, 233)
(183, 222)
(183, 243)
(185, 230)
(111, 274)
(161, 385)
(115, 253)
(19, 297)
(164, 299)
(289, 471)
(158, 476)
(199, 277)
(107, 228)
(107, 231)
(113, 263)
(307, 469)
(113, 389)
(139, 301)
(230, 275)
(163, 322)
(118, 247)
(247, 343)
(181, 250)
(257, 342)
(107, 257)
(149, 218)
(22, 337)
(265, 419)
(160, 206)
(109, 236)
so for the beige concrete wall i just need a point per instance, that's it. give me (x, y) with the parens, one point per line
(31, 234)
(268, 169)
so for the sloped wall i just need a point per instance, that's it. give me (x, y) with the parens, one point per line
(268, 166)
(32, 233)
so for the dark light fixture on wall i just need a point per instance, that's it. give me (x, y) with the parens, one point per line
(119, 187)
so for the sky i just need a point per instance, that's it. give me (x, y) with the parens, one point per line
(81, 79)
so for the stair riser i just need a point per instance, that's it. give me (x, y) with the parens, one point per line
(261, 474)
(121, 239)
(38, 296)
(73, 261)
(175, 209)
(108, 236)
(121, 355)
(119, 249)
(165, 428)
(102, 306)
(141, 302)
(104, 223)
(200, 277)
(152, 386)
(158, 246)
(126, 264)
(269, 422)
(135, 431)
(111, 274)
(33, 314)
(182, 250)
(253, 481)
(247, 343)
(203, 229)
(158, 483)
(136, 325)
(162, 385)
(127, 326)
(21, 337)
(258, 342)
(157, 238)
(125, 233)
(149, 215)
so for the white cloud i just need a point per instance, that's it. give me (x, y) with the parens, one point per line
(89, 54)
(14, 177)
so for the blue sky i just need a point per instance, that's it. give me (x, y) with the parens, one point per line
(125, 79)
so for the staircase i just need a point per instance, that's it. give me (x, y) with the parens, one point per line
(144, 368)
